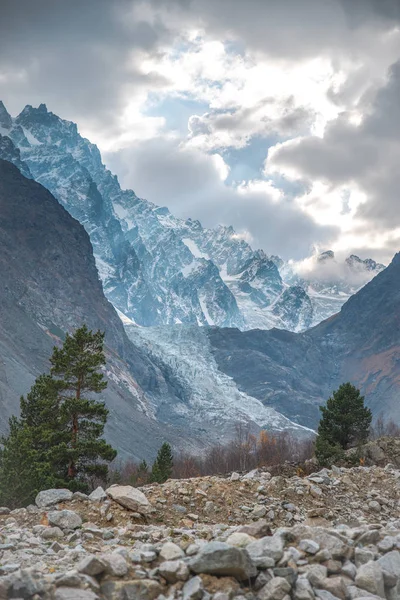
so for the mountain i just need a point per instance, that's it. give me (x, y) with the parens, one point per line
(50, 285)
(157, 269)
(296, 372)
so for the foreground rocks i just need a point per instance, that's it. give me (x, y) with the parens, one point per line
(322, 537)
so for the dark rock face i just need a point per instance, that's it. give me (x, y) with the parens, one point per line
(294, 373)
(50, 285)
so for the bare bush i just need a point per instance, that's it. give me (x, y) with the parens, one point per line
(383, 428)
(245, 452)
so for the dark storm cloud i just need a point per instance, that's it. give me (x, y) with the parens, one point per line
(74, 55)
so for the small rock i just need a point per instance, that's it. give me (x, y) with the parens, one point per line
(240, 540)
(259, 511)
(51, 532)
(171, 551)
(309, 546)
(193, 589)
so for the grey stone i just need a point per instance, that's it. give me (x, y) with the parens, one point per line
(388, 543)
(193, 589)
(98, 495)
(73, 593)
(65, 519)
(276, 589)
(258, 529)
(218, 558)
(390, 564)
(49, 533)
(309, 546)
(92, 565)
(68, 579)
(137, 589)
(240, 540)
(370, 577)
(270, 548)
(116, 564)
(51, 497)
(303, 590)
(325, 595)
(174, 570)
(129, 497)
(259, 511)
(171, 551)
(362, 556)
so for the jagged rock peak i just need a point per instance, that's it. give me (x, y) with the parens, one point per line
(5, 117)
(327, 255)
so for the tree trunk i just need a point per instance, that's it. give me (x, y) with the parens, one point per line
(75, 429)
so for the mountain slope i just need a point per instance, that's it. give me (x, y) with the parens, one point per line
(157, 269)
(294, 373)
(50, 285)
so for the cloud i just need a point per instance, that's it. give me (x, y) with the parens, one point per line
(81, 58)
(234, 128)
(305, 76)
(365, 156)
(191, 184)
(332, 271)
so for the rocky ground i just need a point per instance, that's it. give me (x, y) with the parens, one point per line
(333, 534)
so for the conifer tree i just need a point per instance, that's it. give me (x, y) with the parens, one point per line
(76, 368)
(345, 422)
(25, 464)
(163, 465)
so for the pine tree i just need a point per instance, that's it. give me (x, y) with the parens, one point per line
(76, 368)
(345, 422)
(25, 465)
(163, 465)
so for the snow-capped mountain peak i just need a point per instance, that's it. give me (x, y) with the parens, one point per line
(158, 269)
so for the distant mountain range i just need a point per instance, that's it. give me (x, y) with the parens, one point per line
(159, 270)
(50, 285)
(182, 364)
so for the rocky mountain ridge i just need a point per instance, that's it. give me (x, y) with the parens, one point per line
(157, 269)
(296, 371)
(50, 285)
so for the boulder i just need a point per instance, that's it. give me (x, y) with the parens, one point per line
(65, 519)
(193, 589)
(98, 495)
(267, 551)
(174, 570)
(51, 497)
(218, 558)
(129, 497)
(370, 578)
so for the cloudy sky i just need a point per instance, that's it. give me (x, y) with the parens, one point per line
(280, 117)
